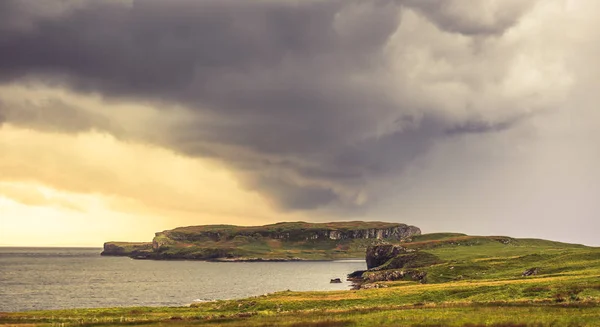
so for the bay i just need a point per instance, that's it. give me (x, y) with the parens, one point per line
(62, 278)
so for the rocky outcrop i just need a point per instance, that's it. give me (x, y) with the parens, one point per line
(394, 274)
(125, 248)
(356, 275)
(390, 256)
(377, 255)
(389, 262)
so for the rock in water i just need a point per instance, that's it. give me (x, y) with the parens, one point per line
(335, 281)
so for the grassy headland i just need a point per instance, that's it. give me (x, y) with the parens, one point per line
(281, 241)
(475, 281)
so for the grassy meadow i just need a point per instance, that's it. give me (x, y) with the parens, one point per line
(479, 282)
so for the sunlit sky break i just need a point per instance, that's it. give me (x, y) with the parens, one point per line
(121, 118)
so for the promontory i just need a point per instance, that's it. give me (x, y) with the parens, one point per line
(286, 241)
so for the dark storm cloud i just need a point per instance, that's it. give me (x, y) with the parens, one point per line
(298, 90)
(473, 18)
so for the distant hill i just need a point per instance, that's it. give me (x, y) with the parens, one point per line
(445, 257)
(284, 241)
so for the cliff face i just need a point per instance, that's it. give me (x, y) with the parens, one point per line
(125, 248)
(285, 241)
(377, 255)
(285, 233)
(388, 262)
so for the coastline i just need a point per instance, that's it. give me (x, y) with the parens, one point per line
(473, 281)
(230, 259)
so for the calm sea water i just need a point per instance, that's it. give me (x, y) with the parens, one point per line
(58, 278)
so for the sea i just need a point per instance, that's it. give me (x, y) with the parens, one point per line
(63, 278)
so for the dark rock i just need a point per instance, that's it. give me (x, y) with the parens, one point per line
(394, 274)
(388, 262)
(389, 256)
(377, 255)
(126, 248)
(531, 272)
(385, 275)
(356, 274)
(335, 281)
(371, 286)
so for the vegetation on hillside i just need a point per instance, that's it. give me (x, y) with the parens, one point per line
(283, 227)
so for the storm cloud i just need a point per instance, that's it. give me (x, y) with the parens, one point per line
(479, 18)
(315, 104)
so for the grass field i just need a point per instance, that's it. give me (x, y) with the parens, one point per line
(479, 283)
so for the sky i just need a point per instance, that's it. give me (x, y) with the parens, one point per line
(122, 118)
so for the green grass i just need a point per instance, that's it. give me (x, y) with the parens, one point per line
(427, 315)
(435, 236)
(480, 258)
(285, 227)
(478, 282)
(536, 301)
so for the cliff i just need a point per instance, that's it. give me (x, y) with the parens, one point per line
(281, 241)
(126, 248)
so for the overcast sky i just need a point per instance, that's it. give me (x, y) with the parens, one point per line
(120, 118)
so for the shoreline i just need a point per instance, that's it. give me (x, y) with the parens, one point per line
(224, 259)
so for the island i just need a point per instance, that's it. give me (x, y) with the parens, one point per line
(285, 241)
